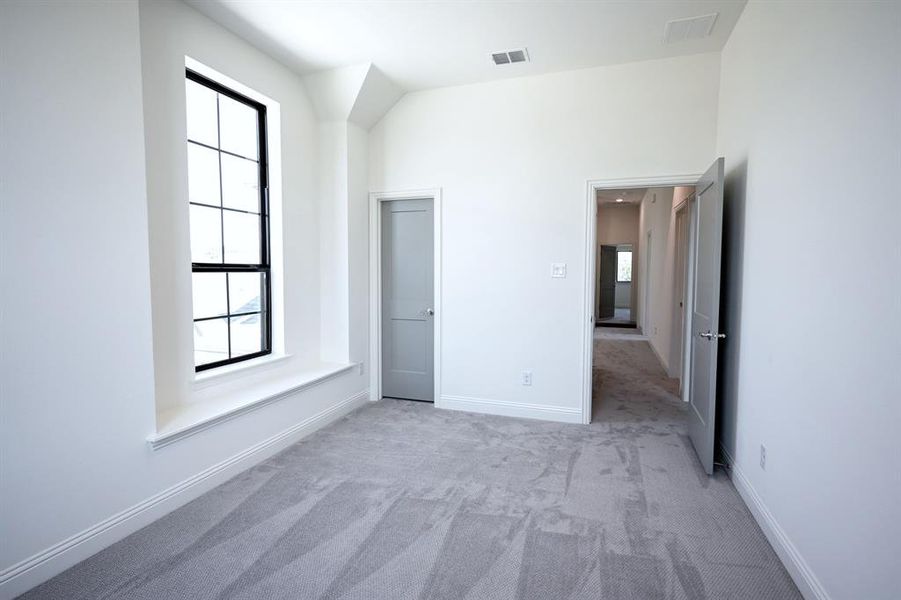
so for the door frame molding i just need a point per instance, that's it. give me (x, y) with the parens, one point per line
(684, 208)
(375, 284)
(591, 233)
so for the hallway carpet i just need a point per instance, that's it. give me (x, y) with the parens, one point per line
(399, 500)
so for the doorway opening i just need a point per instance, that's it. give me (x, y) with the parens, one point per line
(640, 276)
(665, 236)
(617, 226)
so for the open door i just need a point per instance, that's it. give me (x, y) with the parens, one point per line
(607, 285)
(707, 232)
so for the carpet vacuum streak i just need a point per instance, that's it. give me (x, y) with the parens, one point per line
(401, 500)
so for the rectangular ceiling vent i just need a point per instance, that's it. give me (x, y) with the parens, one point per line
(692, 28)
(508, 57)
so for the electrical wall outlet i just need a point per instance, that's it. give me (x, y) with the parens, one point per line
(763, 457)
(558, 270)
(527, 378)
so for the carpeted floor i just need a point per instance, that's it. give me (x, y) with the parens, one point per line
(400, 500)
(620, 315)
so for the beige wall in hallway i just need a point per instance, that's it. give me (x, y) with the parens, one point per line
(657, 216)
(618, 224)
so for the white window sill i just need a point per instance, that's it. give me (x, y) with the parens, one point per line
(185, 420)
(204, 379)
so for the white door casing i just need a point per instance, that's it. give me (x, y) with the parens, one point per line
(376, 199)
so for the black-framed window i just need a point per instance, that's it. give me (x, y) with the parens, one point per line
(228, 198)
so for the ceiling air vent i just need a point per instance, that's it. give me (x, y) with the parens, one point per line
(510, 56)
(693, 28)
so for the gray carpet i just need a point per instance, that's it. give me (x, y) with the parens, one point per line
(400, 500)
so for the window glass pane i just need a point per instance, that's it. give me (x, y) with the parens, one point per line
(246, 334)
(244, 292)
(210, 341)
(201, 113)
(624, 266)
(203, 175)
(209, 295)
(242, 238)
(238, 127)
(240, 183)
(206, 235)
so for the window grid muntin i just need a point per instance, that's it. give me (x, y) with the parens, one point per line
(263, 267)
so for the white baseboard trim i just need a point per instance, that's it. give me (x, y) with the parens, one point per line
(36, 569)
(788, 553)
(511, 409)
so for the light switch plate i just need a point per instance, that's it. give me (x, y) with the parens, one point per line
(558, 270)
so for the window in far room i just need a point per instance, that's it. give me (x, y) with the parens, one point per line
(623, 266)
(228, 198)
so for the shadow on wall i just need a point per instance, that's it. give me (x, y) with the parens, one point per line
(732, 269)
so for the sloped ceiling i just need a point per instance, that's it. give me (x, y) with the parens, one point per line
(423, 45)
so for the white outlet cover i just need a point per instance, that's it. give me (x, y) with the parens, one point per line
(558, 270)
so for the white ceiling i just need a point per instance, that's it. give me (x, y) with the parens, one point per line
(631, 196)
(423, 45)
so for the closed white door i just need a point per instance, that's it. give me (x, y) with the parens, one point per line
(408, 330)
(705, 310)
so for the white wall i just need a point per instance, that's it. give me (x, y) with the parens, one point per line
(811, 130)
(333, 234)
(344, 231)
(513, 158)
(358, 232)
(348, 101)
(76, 350)
(169, 32)
(76, 333)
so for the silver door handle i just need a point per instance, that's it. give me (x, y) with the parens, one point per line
(430, 311)
(708, 335)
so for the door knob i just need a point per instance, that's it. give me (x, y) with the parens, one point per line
(708, 335)
(430, 311)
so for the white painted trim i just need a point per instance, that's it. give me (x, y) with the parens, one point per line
(164, 438)
(512, 409)
(51, 561)
(788, 553)
(375, 284)
(211, 377)
(593, 185)
(688, 327)
(685, 208)
(588, 300)
(647, 246)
